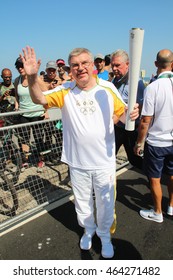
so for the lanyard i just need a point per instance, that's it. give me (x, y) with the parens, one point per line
(166, 75)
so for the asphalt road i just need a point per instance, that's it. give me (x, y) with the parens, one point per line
(55, 235)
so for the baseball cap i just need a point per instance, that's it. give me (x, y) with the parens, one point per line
(99, 55)
(51, 64)
(60, 61)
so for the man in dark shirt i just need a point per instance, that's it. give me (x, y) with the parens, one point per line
(120, 68)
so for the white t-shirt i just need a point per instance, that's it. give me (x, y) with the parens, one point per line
(88, 129)
(158, 102)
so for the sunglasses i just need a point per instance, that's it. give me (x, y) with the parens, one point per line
(19, 65)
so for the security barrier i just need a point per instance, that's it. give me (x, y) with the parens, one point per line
(31, 172)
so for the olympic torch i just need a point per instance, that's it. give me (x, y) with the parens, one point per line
(135, 52)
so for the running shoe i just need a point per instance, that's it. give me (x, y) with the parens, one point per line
(170, 210)
(86, 240)
(151, 215)
(107, 250)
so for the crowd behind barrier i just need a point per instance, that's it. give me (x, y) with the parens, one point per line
(25, 190)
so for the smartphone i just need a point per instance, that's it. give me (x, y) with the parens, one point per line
(12, 92)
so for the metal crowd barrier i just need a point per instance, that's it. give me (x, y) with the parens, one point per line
(26, 189)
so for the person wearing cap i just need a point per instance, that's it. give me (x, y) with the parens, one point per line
(50, 78)
(89, 107)
(60, 62)
(99, 62)
(68, 71)
(24, 102)
(63, 70)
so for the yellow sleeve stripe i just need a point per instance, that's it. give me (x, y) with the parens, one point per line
(119, 105)
(56, 99)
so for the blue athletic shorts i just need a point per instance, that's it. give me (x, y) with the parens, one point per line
(158, 160)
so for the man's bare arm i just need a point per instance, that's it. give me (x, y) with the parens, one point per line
(142, 133)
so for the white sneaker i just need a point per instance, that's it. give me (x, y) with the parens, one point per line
(151, 215)
(86, 241)
(170, 210)
(107, 250)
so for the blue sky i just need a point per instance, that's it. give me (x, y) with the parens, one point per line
(54, 28)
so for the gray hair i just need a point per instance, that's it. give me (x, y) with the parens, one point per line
(78, 51)
(122, 53)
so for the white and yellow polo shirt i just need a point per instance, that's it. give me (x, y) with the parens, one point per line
(88, 128)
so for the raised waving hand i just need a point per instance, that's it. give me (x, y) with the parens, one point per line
(31, 65)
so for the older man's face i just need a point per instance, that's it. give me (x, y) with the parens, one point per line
(82, 68)
(119, 67)
(7, 77)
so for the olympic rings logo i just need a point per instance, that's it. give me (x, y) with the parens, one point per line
(87, 110)
(86, 107)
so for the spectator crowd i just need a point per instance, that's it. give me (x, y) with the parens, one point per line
(94, 91)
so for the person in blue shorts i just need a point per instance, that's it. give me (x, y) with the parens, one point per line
(156, 129)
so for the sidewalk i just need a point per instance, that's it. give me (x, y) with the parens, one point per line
(55, 235)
